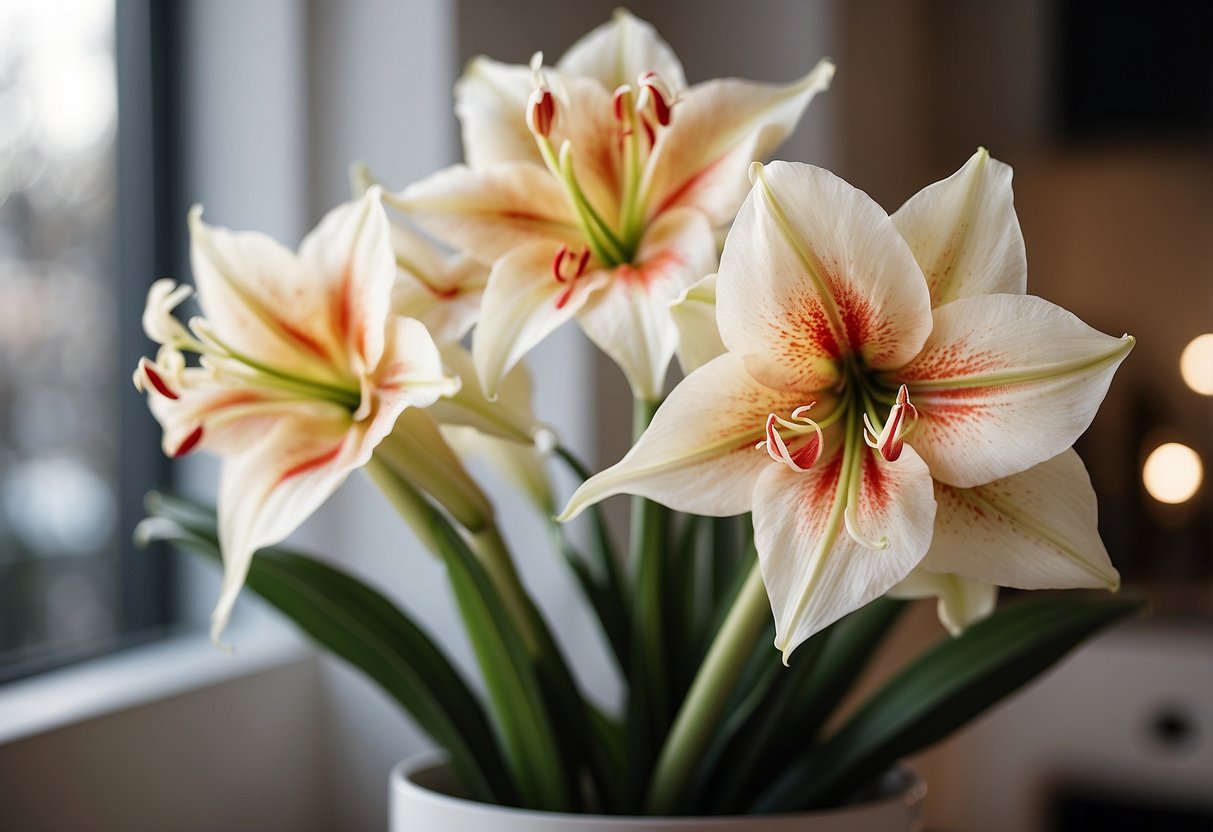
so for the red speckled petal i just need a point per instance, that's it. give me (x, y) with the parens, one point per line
(698, 454)
(814, 571)
(1004, 383)
(1035, 530)
(812, 271)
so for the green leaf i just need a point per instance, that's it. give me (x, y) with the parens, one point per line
(795, 705)
(941, 691)
(531, 743)
(361, 626)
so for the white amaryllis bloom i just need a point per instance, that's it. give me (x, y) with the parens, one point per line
(302, 370)
(821, 302)
(594, 189)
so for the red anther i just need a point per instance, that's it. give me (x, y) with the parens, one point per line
(582, 262)
(190, 443)
(156, 381)
(541, 111)
(558, 264)
(659, 94)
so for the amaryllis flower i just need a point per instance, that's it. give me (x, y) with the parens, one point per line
(302, 370)
(596, 190)
(822, 305)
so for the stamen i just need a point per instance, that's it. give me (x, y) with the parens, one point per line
(541, 112)
(804, 457)
(890, 439)
(848, 519)
(657, 97)
(153, 378)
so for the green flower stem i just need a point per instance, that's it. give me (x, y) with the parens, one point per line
(491, 548)
(406, 496)
(648, 708)
(701, 711)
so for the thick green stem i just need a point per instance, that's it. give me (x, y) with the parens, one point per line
(648, 708)
(701, 711)
(408, 500)
(491, 548)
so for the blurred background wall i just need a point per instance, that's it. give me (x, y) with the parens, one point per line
(1103, 109)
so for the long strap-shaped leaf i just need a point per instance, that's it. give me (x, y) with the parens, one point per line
(794, 708)
(531, 744)
(940, 691)
(361, 626)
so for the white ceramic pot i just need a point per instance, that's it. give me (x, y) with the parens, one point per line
(424, 798)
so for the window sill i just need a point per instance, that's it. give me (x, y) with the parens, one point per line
(140, 675)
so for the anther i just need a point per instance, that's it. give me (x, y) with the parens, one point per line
(890, 440)
(656, 96)
(155, 380)
(804, 457)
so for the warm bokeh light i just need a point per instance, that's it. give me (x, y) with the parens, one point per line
(1172, 473)
(1196, 364)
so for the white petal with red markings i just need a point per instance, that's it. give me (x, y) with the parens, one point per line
(815, 570)
(814, 271)
(1005, 382)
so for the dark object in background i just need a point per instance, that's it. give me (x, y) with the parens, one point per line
(1134, 68)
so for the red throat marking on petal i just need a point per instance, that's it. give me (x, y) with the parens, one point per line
(312, 464)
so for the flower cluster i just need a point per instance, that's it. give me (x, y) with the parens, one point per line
(877, 390)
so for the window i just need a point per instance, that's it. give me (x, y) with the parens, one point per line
(85, 140)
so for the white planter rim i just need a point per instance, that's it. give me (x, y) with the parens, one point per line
(909, 792)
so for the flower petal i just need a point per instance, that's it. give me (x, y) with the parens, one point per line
(509, 417)
(617, 52)
(1004, 383)
(815, 572)
(964, 233)
(491, 212)
(718, 128)
(522, 304)
(694, 314)
(443, 293)
(411, 373)
(813, 270)
(267, 493)
(1035, 530)
(630, 320)
(698, 453)
(350, 250)
(491, 101)
(263, 302)
(962, 601)
(197, 412)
